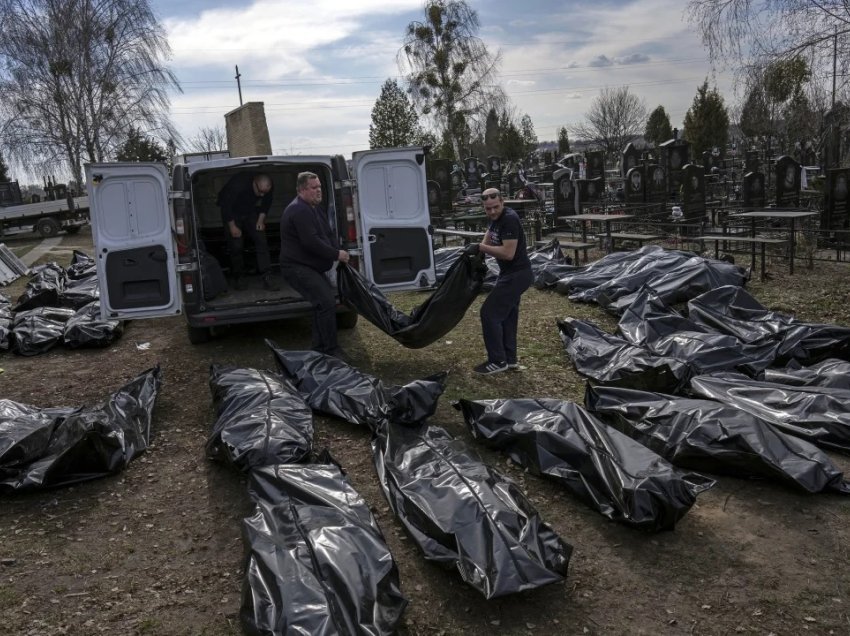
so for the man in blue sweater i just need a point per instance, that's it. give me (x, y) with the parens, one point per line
(308, 249)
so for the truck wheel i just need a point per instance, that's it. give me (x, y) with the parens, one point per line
(47, 227)
(198, 335)
(346, 319)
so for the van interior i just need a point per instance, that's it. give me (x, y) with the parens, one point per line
(209, 232)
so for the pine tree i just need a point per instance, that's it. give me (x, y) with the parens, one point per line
(658, 129)
(139, 147)
(394, 122)
(755, 114)
(529, 137)
(491, 133)
(707, 122)
(563, 141)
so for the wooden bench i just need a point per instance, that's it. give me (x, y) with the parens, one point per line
(575, 246)
(640, 239)
(466, 235)
(764, 241)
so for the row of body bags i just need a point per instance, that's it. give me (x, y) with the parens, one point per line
(58, 306)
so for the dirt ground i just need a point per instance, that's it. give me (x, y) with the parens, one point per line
(157, 548)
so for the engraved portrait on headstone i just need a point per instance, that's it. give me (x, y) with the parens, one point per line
(564, 191)
(693, 195)
(634, 186)
(754, 191)
(788, 180)
(835, 211)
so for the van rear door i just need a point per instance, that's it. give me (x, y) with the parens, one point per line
(395, 223)
(133, 240)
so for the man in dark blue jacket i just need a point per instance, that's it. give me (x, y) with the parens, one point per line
(245, 201)
(308, 249)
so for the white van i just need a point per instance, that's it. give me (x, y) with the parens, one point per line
(150, 238)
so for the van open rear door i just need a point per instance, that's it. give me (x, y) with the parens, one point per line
(395, 223)
(134, 244)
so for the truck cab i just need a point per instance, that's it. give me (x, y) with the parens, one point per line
(156, 234)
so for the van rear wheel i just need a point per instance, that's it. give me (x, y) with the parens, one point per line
(198, 335)
(346, 319)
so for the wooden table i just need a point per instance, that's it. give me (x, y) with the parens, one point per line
(606, 219)
(777, 213)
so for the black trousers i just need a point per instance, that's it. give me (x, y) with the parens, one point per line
(500, 315)
(235, 246)
(317, 290)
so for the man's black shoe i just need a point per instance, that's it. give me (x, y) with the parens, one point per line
(269, 284)
(240, 283)
(489, 368)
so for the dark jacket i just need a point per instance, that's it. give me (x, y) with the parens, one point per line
(238, 200)
(306, 237)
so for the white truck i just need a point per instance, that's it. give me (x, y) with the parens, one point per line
(153, 233)
(48, 218)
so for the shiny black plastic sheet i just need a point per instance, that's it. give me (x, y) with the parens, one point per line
(733, 311)
(444, 258)
(49, 447)
(614, 280)
(86, 329)
(334, 388)
(650, 323)
(38, 330)
(613, 474)
(711, 436)
(464, 514)
(82, 266)
(261, 419)
(428, 322)
(820, 415)
(43, 288)
(79, 292)
(608, 359)
(829, 373)
(6, 316)
(316, 561)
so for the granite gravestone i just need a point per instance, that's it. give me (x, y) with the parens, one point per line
(470, 171)
(494, 168)
(441, 170)
(655, 186)
(674, 157)
(435, 203)
(754, 190)
(634, 186)
(595, 164)
(630, 158)
(752, 163)
(514, 184)
(589, 192)
(835, 212)
(787, 182)
(693, 190)
(564, 191)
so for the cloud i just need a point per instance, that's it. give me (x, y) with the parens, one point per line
(634, 58)
(515, 82)
(601, 61)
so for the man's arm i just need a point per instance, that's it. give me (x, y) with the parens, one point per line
(504, 252)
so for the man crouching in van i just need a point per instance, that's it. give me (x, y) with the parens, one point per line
(308, 249)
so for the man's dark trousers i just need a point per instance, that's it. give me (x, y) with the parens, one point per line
(500, 315)
(235, 246)
(316, 289)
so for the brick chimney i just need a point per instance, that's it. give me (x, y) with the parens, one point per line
(247, 131)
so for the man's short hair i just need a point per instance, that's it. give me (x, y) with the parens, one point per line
(493, 191)
(303, 179)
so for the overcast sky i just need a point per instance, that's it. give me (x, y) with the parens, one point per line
(318, 66)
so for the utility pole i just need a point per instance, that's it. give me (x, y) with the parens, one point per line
(834, 62)
(239, 86)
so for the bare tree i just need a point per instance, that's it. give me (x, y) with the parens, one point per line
(76, 75)
(615, 117)
(210, 139)
(450, 73)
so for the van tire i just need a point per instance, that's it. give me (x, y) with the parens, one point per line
(346, 319)
(198, 335)
(47, 227)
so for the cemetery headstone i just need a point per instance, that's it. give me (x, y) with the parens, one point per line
(595, 160)
(494, 167)
(787, 182)
(835, 212)
(434, 198)
(589, 191)
(634, 186)
(630, 157)
(693, 190)
(470, 170)
(674, 157)
(441, 171)
(754, 190)
(564, 191)
(655, 185)
(752, 163)
(456, 176)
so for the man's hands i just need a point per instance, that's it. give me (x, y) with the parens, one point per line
(343, 256)
(261, 223)
(472, 249)
(235, 232)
